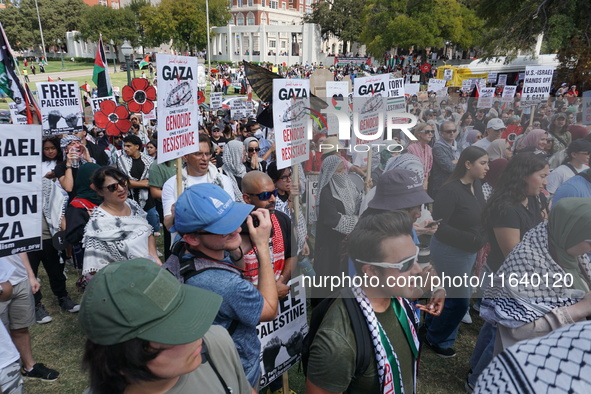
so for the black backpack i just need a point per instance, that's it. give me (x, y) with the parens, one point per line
(365, 348)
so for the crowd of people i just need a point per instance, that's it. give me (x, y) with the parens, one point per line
(493, 193)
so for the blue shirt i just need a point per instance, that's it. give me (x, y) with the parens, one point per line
(241, 302)
(577, 186)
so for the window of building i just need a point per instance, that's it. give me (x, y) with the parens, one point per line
(274, 4)
(250, 19)
(240, 20)
(239, 3)
(250, 3)
(282, 44)
(272, 44)
(263, 2)
(263, 19)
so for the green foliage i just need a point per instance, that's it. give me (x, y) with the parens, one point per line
(22, 27)
(183, 22)
(115, 25)
(339, 18)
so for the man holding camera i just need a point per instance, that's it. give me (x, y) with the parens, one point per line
(209, 221)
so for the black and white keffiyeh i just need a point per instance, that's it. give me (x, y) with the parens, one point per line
(54, 205)
(515, 306)
(124, 163)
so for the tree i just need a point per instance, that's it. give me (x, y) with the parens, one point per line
(183, 22)
(340, 18)
(515, 25)
(136, 7)
(114, 24)
(418, 24)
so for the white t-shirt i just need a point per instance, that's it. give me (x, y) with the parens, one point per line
(8, 352)
(169, 195)
(560, 175)
(483, 143)
(19, 274)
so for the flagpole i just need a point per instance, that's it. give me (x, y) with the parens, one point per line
(40, 30)
(208, 51)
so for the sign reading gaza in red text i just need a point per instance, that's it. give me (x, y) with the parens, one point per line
(177, 106)
(291, 118)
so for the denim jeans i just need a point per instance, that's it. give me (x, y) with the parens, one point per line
(153, 219)
(483, 351)
(451, 262)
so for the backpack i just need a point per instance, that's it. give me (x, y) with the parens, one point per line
(365, 353)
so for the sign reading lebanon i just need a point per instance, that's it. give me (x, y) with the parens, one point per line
(291, 118)
(177, 106)
(537, 84)
(60, 107)
(281, 339)
(20, 189)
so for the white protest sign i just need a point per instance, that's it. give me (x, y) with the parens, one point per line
(369, 108)
(312, 200)
(15, 116)
(587, 107)
(95, 103)
(508, 94)
(448, 74)
(291, 120)
(492, 77)
(410, 89)
(215, 101)
(486, 97)
(60, 107)
(177, 106)
(337, 97)
(521, 77)
(396, 101)
(239, 109)
(435, 85)
(536, 85)
(467, 85)
(502, 80)
(20, 189)
(281, 339)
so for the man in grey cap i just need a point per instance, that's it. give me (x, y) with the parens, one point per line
(494, 130)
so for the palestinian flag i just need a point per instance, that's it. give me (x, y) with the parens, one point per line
(100, 76)
(9, 82)
(145, 62)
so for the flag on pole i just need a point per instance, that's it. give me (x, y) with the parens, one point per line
(9, 82)
(30, 100)
(145, 62)
(100, 76)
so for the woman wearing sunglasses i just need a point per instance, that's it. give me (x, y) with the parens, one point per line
(117, 229)
(421, 148)
(253, 162)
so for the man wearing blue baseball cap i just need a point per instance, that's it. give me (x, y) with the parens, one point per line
(209, 221)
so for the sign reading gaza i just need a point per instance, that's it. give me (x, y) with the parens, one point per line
(20, 189)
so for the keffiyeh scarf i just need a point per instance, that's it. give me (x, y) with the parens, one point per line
(124, 163)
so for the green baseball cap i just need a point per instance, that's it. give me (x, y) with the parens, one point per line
(138, 299)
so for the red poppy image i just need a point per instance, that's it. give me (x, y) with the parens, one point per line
(200, 97)
(139, 96)
(113, 118)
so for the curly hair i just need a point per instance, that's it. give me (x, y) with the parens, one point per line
(512, 188)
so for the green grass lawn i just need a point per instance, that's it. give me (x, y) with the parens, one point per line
(60, 345)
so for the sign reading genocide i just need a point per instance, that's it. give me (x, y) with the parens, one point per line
(291, 118)
(281, 339)
(20, 189)
(60, 107)
(177, 106)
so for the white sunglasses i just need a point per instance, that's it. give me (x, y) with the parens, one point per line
(403, 265)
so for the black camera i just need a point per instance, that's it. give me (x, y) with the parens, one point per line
(244, 226)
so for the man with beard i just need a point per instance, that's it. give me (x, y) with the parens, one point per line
(259, 190)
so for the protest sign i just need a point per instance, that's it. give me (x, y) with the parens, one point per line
(448, 74)
(508, 94)
(435, 85)
(337, 98)
(20, 189)
(396, 101)
(502, 80)
(587, 107)
(60, 107)
(521, 77)
(177, 106)
(15, 116)
(281, 339)
(536, 85)
(492, 77)
(312, 195)
(410, 89)
(95, 103)
(486, 97)
(291, 119)
(467, 85)
(215, 101)
(369, 107)
(239, 109)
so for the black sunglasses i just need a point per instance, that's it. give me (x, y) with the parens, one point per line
(264, 196)
(114, 186)
(449, 131)
(250, 150)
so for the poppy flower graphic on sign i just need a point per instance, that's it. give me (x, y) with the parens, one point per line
(113, 118)
(425, 68)
(139, 96)
(200, 97)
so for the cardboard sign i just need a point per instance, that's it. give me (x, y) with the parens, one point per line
(15, 116)
(177, 106)
(486, 98)
(536, 85)
(215, 101)
(60, 106)
(20, 188)
(240, 109)
(281, 339)
(291, 119)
